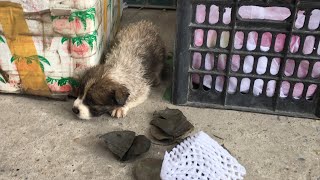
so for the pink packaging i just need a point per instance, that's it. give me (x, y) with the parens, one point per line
(67, 37)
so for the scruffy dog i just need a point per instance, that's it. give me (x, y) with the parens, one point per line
(134, 65)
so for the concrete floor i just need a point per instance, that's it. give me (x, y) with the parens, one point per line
(42, 139)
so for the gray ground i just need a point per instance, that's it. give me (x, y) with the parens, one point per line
(41, 139)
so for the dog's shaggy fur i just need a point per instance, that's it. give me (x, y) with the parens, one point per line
(123, 81)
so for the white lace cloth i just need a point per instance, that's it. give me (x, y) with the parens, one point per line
(199, 157)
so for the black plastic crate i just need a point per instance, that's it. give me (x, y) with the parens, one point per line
(158, 4)
(264, 63)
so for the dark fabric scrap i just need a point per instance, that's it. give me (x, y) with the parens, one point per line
(125, 145)
(172, 124)
(141, 144)
(148, 169)
(119, 142)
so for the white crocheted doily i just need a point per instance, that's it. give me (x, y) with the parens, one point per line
(199, 157)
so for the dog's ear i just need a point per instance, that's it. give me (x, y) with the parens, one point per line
(121, 95)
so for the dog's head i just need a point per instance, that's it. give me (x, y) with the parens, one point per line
(98, 94)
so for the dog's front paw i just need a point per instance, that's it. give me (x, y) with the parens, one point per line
(119, 112)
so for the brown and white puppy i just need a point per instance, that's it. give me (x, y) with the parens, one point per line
(134, 64)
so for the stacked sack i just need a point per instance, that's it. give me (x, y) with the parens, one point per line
(46, 44)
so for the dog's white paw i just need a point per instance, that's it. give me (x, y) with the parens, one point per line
(120, 112)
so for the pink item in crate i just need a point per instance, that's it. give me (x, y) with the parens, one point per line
(303, 69)
(209, 62)
(266, 41)
(280, 41)
(316, 70)
(212, 38)
(314, 20)
(238, 41)
(294, 44)
(300, 19)
(235, 65)
(196, 63)
(222, 62)
(227, 16)
(262, 13)
(252, 41)
(198, 37)
(214, 14)
(309, 44)
(201, 13)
